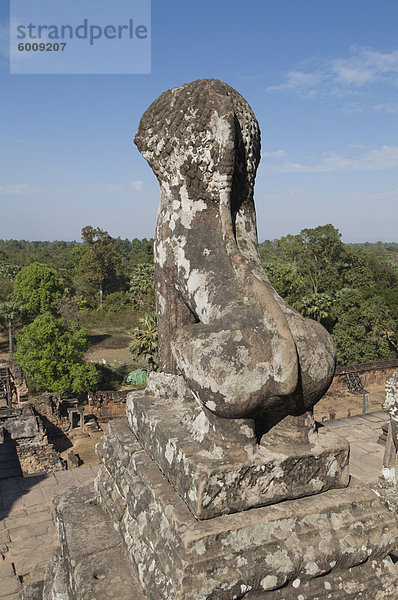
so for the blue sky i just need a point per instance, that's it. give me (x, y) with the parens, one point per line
(321, 77)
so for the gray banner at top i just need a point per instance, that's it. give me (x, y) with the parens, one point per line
(80, 37)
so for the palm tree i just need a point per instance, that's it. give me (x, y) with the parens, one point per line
(145, 340)
(142, 287)
(9, 312)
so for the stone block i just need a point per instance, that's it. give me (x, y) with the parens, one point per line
(221, 479)
(92, 558)
(22, 427)
(301, 545)
(55, 584)
(4, 536)
(33, 591)
(32, 531)
(31, 565)
(10, 583)
(25, 520)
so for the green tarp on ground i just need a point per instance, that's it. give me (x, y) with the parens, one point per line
(137, 377)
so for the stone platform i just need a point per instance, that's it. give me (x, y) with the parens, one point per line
(362, 432)
(28, 536)
(215, 479)
(91, 564)
(334, 545)
(26, 502)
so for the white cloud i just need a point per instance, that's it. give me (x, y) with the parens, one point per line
(374, 109)
(364, 66)
(377, 159)
(110, 187)
(119, 187)
(341, 76)
(12, 189)
(137, 185)
(274, 154)
(303, 83)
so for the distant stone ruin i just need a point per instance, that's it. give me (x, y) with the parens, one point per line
(13, 386)
(24, 445)
(25, 437)
(220, 485)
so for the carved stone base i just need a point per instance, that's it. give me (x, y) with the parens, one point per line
(331, 546)
(215, 479)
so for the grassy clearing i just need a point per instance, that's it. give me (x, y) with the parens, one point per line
(100, 322)
(109, 335)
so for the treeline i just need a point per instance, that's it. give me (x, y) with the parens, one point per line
(384, 250)
(47, 287)
(89, 270)
(61, 255)
(352, 289)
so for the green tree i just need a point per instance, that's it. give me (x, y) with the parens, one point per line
(363, 327)
(318, 253)
(288, 282)
(37, 290)
(10, 312)
(7, 275)
(142, 287)
(354, 270)
(385, 275)
(51, 352)
(6, 288)
(97, 268)
(316, 306)
(145, 340)
(116, 302)
(9, 271)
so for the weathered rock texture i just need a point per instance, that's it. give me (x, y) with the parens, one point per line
(219, 477)
(330, 546)
(90, 564)
(50, 407)
(390, 406)
(241, 349)
(373, 373)
(19, 387)
(107, 405)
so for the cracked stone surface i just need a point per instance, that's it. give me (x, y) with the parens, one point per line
(240, 348)
(28, 537)
(330, 546)
(216, 478)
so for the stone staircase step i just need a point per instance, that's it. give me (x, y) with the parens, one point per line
(91, 550)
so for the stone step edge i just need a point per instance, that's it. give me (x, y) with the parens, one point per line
(96, 568)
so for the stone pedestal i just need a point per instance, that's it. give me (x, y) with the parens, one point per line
(333, 545)
(134, 535)
(214, 477)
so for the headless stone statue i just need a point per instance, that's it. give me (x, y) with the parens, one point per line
(243, 352)
(228, 416)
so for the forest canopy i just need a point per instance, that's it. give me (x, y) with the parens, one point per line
(352, 289)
